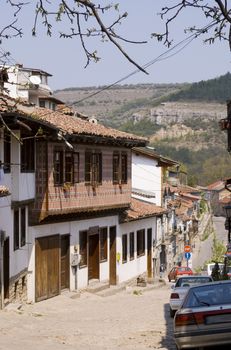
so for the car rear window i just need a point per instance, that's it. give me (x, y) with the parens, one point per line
(194, 280)
(181, 269)
(213, 294)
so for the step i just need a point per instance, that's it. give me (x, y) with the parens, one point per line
(95, 286)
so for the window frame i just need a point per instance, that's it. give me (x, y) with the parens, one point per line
(20, 227)
(7, 152)
(119, 167)
(132, 245)
(93, 168)
(83, 248)
(61, 174)
(27, 154)
(103, 238)
(140, 242)
(124, 248)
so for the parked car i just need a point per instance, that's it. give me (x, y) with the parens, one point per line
(180, 288)
(204, 317)
(211, 266)
(179, 271)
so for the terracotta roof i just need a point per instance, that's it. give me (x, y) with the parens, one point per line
(140, 209)
(4, 191)
(65, 123)
(190, 196)
(216, 186)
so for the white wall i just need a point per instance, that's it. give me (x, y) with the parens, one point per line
(137, 266)
(73, 229)
(146, 176)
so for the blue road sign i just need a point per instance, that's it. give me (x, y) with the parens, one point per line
(187, 255)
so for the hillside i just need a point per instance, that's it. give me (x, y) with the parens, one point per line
(181, 120)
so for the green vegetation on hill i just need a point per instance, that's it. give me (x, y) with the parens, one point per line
(142, 128)
(218, 89)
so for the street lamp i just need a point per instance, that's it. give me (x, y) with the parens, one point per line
(227, 209)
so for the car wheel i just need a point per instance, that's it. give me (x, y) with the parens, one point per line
(172, 312)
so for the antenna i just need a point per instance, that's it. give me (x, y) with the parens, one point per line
(35, 79)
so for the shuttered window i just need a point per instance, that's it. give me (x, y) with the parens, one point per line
(103, 243)
(124, 248)
(19, 227)
(27, 154)
(93, 168)
(7, 152)
(119, 168)
(83, 248)
(58, 167)
(140, 240)
(131, 245)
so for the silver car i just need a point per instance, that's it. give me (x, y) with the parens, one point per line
(180, 288)
(204, 318)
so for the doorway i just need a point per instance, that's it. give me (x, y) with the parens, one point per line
(6, 267)
(112, 268)
(93, 257)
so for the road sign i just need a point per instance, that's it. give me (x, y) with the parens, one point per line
(187, 255)
(187, 248)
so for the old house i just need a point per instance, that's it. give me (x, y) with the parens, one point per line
(219, 196)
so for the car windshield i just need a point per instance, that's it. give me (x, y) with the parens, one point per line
(212, 294)
(185, 282)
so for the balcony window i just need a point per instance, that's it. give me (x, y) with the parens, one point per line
(93, 168)
(27, 154)
(66, 167)
(119, 168)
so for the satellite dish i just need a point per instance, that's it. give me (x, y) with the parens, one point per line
(35, 79)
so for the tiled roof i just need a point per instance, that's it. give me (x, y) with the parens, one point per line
(140, 209)
(216, 186)
(65, 123)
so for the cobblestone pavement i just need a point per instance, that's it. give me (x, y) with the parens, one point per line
(135, 319)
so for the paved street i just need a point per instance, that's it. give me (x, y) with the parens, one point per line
(130, 320)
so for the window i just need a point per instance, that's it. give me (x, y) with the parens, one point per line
(83, 247)
(23, 226)
(124, 248)
(66, 167)
(27, 154)
(103, 243)
(58, 167)
(140, 240)
(42, 103)
(119, 168)
(131, 245)
(19, 228)
(93, 168)
(7, 151)
(116, 164)
(124, 168)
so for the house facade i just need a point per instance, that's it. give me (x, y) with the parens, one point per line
(69, 217)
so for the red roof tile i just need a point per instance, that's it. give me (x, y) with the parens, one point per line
(140, 209)
(66, 123)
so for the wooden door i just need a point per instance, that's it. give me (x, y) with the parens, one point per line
(47, 267)
(112, 267)
(65, 262)
(6, 267)
(93, 257)
(149, 253)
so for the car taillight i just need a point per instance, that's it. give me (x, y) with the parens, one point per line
(174, 296)
(184, 320)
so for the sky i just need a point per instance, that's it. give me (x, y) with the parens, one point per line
(65, 60)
